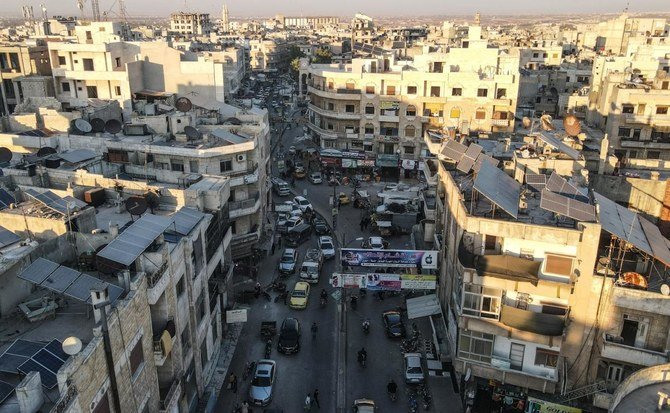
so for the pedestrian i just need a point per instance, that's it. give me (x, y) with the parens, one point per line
(273, 248)
(315, 329)
(362, 224)
(245, 407)
(308, 402)
(232, 382)
(316, 398)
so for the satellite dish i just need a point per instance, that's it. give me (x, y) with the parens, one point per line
(546, 122)
(136, 205)
(665, 289)
(183, 104)
(526, 122)
(572, 125)
(71, 346)
(83, 125)
(98, 125)
(113, 126)
(5, 155)
(45, 151)
(192, 133)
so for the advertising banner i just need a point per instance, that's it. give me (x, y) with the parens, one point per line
(236, 316)
(418, 282)
(366, 162)
(408, 164)
(352, 257)
(338, 280)
(541, 406)
(353, 155)
(349, 163)
(382, 282)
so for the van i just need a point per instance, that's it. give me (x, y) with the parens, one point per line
(281, 188)
(298, 234)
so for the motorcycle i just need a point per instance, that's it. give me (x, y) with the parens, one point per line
(324, 301)
(363, 293)
(366, 326)
(268, 348)
(426, 397)
(354, 300)
(362, 358)
(413, 404)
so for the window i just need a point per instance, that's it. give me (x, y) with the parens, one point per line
(536, 55)
(61, 61)
(455, 113)
(65, 86)
(370, 90)
(89, 35)
(482, 93)
(409, 150)
(624, 132)
(665, 85)
(177, 166)
(480, 114)
(410, 131)
(627, 109)
(411, 110)
(330, 126)
(203, 354)
(636, 134)
(181, 287)
(546, 358)
(369, 129)
(411, 90)
(614, 373)
(481, 301)
(117, 62)
(653, 155)
(457, 91)
(331, 85)
(136, 358)
(475, 346)
(349, 108)
(226, 166)
(558, 265)
(117, 90)
(438, 67)
(661, 110)
(92, 92)
(501, 93)
(367, 148)
(350, 85)
(435, 91)
(369, 109)
(390, 90)
(88, 65)
(331, 106)
(640, 108)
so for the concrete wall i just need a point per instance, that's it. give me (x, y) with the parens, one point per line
(646, 196)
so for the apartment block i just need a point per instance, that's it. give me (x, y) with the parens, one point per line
(267, 55)
(194, 24)
(20, 65)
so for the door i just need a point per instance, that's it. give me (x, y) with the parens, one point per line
(516, 356)
(629, 331)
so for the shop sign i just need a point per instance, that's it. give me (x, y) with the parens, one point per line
(382, 282)
(236, 316)
(326, 161)
(352, 257)
(366, 162)
(339, 280)
(418, 282)
(541, 406)
(408, 164)
(353, 155)
(349, 163)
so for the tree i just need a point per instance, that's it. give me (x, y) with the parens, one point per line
(294, 55)
(322, 55)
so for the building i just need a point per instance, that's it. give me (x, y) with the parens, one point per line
(23, 63)
(362, 29)
(191, 24)
(225, 19)
(310, 22)
(268, 55)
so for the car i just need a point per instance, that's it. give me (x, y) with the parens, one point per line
(262, 383)
(343, 198)
(299, 296)
(299, 173)
(293, 222)
(413, 369)
(321, 226)
(288, 260)
(393, 324)
(326, 247)
(364, 406)
(314, 254)
(315, 178)
(375, 243)
(302, 203)
(291, 150)
(289, 336)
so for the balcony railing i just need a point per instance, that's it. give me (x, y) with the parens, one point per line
(614, 349)
(247, 203)
(171, 397)
(65, 402)
(155, 277)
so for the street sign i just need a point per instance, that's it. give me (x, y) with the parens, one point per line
(236, 316)
(336, 294)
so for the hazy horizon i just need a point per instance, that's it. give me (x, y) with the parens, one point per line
(375, 8)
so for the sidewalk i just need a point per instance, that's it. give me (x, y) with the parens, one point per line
(228, 345)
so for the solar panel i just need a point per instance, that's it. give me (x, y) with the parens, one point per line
(537, 182)
(9, 363)
(186, 219)
(81, 288)
(622, 222)
(499, 188)
(38, 271)
(48, 360)
(128, 246)
(114, 292)
(454, 150)
(568, 207)
(60, 279)
(468, 160)
(656, 240)
(560, 185)
(484, 158)
(77, 155)
(6, 390)
(7, 237)
(56, 348)
(556, 143)
(51, 201)
(24, 348)
(48, 377)
(6, 199)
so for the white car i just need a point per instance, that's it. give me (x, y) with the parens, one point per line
(293, 222)
(375, 243)
(413, 369)
(326, 246)
(302, 203)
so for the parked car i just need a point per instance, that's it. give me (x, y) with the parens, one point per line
(314, 254)
(302, 203)
(413, 369)
(375, 243)
(393, 324)
(321, 227)
(364, 406)
(288, 261)
(315, 178)
(326, 247)
(299, 172)
(293, 222)
(299, 296)
(289, 336)
(262, 383)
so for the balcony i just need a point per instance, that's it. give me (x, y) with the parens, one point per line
(163, 343)
(169, 398)
(502, 373)
(245, 207)
(241, 245)
(339, 94)
(500, 122)
(157, 282)
(334, 114)
(324, 134)
(534, 322)
(614, 349)
(633, 118)
(100, 75)
(646, 301)
(66, 401)
(389, 118)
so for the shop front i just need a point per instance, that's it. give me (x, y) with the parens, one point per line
(409, 168)
(389, 168)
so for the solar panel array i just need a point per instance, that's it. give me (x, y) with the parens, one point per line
(7, 237)
(454, 150)
(24, 356)
(556, 143)
(560, 185)
(6, 199)
(65, 280)
(52, 201)
(128, 246)
(568, 207)
(484, 158)
(370, 49)
(186, 219)
(469, 157)
(499, 188)
(77, 155)
(537, 182)
(6, 390)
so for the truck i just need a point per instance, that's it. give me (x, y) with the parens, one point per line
(280, 187)
(310, 270)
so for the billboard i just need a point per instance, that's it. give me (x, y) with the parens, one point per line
(418, 282)
(384, 282)
(353, 257)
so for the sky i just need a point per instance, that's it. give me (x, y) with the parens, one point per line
(378, 8)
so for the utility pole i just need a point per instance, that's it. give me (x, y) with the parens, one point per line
(95, 5)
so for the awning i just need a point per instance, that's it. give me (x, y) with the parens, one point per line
(539, 323)
(423, 306)
(508, 267)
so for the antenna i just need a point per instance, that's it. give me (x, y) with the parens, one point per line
(45, 16)
(80, 6)
(123, 13)
(95, 5)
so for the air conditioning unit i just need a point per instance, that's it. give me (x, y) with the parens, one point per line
(241, 157)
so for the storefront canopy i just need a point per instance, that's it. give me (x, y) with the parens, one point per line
(423, 306)
(508, 267)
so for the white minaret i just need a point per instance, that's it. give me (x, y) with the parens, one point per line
(225, 24)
